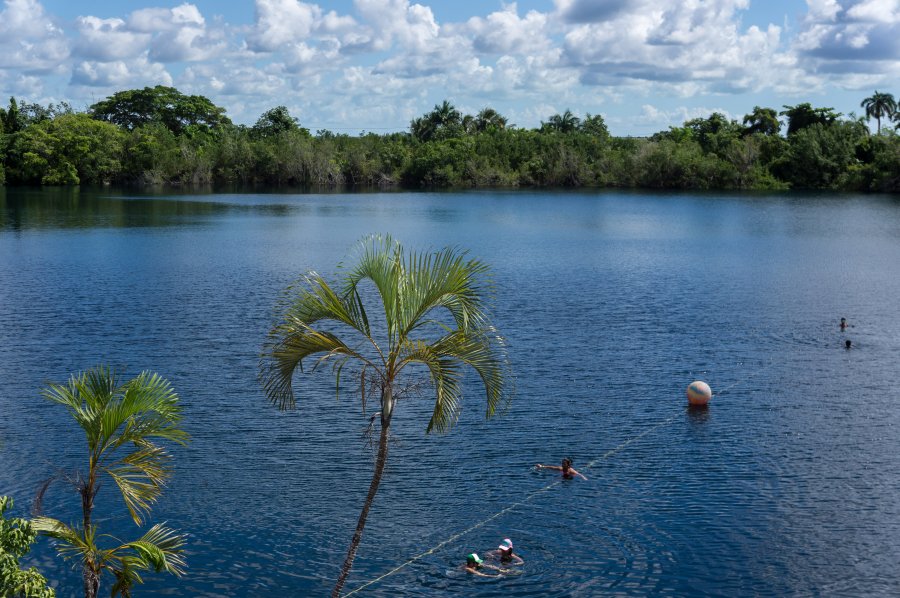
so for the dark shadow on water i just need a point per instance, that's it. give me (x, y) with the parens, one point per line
(698, 415)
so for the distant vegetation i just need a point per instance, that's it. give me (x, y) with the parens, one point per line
(158, 136)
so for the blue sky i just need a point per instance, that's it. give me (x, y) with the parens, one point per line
(355, 65)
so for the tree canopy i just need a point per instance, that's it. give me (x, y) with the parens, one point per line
(804, 115)
(442, 148)
(136, 107)
(16, 537)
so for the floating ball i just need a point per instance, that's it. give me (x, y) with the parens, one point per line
(699, 393)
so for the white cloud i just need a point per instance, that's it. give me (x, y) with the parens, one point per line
(120, 74)
(874, 11)
(847, 39)
(30, 41)
(394, 59)
(171, 35)
(674, 43)
(241, 80)
(504, 32)
(108, 39)
(279, 22)
(154, 20)
(411, 25)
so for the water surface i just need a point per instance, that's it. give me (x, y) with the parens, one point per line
(612, 303)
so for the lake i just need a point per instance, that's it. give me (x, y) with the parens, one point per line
(612, 303)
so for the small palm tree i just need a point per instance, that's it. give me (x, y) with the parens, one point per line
(445, 114)
(489, 119)
(562, 123)
(879, 105)
(414, 290)
(120, 422)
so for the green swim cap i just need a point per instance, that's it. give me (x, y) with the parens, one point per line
(473, 559)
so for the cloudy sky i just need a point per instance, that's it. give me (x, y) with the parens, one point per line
(352, 65)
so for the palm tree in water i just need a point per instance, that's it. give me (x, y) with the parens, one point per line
(433, 310)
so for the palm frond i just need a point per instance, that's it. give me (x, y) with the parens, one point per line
(148, 407)
(160, 549)
(379, 260)
(290, 343)
(448, 280)
(126, 577)
(141, 476)
(83, 407)
(313, 300)
(482, 351)
(73, 543)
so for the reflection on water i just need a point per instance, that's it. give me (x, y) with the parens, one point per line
(611, 302)
(70, 207)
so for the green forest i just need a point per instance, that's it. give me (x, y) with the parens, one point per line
(159, 136)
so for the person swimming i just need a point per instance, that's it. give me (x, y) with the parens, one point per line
(844, 323)
(568, 472)
(505, 553)
(847, 344)
(474, 564)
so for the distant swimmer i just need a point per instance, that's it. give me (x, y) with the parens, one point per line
(847, 344)
(505, 553)
(844, 324)
(474, 564)
(568, 472)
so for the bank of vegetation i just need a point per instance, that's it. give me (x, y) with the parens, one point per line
(159, 136)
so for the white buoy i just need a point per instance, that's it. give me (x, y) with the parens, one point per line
(699, 393)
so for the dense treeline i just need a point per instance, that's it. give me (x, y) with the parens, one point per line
(156, 136)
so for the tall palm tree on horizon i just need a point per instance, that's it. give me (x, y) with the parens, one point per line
(879, 105)
(415, 290)
(121, 422)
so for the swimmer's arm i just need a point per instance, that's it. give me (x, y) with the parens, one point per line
(518, 560)
(556, 467)
(477, 572)
(576, 473)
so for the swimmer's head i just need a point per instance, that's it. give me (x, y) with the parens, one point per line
(566, 464)
(848, 343)
(473, 560)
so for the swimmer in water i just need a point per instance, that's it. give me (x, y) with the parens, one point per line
(568, 472)
(505, 553)
(844, 323)
(847, 344)
(474, 564)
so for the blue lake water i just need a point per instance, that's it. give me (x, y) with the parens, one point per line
(611, 302)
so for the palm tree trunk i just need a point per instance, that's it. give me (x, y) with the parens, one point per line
(373, 489)
(91, 582)
(90, 577)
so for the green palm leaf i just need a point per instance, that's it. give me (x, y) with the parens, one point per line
(141, 476)
(73, 543)
(160, 549)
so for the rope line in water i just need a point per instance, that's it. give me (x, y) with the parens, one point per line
(528, 497)
(507, 509)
